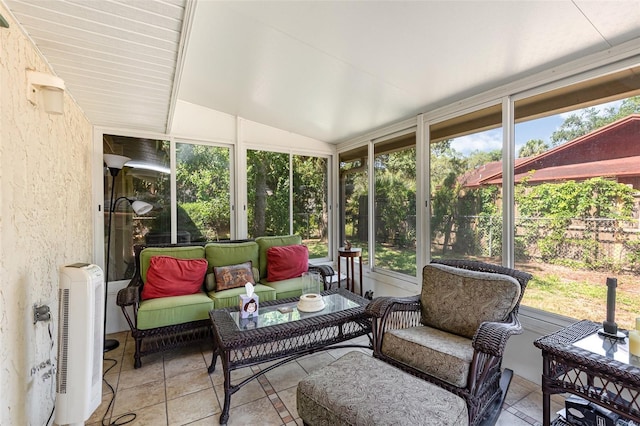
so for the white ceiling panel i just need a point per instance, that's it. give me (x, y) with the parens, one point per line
(375, 62)
(264, 74)
(617, 21)
(118, 58)
(327, 70)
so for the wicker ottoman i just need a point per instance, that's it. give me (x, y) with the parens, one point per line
(358, 389)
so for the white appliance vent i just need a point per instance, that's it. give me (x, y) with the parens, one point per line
(63, 340)
(80, 343)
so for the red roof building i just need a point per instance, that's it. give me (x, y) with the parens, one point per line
(611, 151)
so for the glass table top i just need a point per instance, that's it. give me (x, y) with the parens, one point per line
(609, 348)
(288, 312)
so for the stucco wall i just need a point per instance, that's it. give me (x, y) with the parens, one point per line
(45, 222)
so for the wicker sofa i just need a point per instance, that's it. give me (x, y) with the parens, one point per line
(163, 323)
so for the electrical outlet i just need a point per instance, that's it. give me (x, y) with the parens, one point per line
(41, 313)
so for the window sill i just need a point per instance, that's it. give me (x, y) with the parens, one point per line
(401, 281)
(542, 322)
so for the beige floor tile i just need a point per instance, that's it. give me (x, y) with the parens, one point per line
(362, 340)
(524, 382)
(129, 351)
(217, 376)
(286, 376)
(145, 395)
(146, 374)
(146, 361)
(207, 421)
(248, 393)
(154, 415)
(337, 353)
(288, 398)
(111, 365)
(260, 412)
(559, 398)
(181, 377)
(99, 413)
(192, 407)
(187, 382)
(207, 352)
(314, 362)
(128, 360)
(176, 365)
(182, 352)
(111, 379)
(519, 389)
(531, 405)
(508, 419)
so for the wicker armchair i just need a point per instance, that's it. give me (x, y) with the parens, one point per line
(454, 333)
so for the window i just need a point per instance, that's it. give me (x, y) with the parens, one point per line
(203, 192)
(577, 193)
(395, 204)
(310, 203)
(145, 178)
(354, 196)
(466, 203)
(289, 194)
(267, 193)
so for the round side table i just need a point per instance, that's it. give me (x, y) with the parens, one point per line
(350, 255)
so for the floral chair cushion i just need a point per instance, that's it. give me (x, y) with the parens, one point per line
(434, 352)
(458, 300)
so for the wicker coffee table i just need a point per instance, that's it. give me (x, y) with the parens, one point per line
(275, 335)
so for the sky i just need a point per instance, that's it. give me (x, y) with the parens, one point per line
(541, 128)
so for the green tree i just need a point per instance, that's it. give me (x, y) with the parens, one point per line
(589, 119)
(446, 166)
(310, 196)
(550, 208)
(533, 147)
(395, 175)
(479, 158)
(267, 193)
(202, 186)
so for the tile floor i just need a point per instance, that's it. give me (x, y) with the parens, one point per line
(174, 389)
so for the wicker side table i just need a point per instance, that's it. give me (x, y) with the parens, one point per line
(350, 254)
(577, 360)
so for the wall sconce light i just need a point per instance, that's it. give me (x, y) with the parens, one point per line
(51, 89)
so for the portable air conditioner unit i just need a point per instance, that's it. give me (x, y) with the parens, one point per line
(80, 343)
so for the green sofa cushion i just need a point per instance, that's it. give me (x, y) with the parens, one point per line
(190, 252)
(266, 242)
(287, 288)
(224, 254)
(229, 298)
(164, 311)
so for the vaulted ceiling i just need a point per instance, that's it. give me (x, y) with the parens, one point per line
(327, 70)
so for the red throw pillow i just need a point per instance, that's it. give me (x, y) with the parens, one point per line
(233, 276)
(284, 262)
(169, 276)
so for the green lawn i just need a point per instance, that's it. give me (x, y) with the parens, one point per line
(583, 298)
(574, 293)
